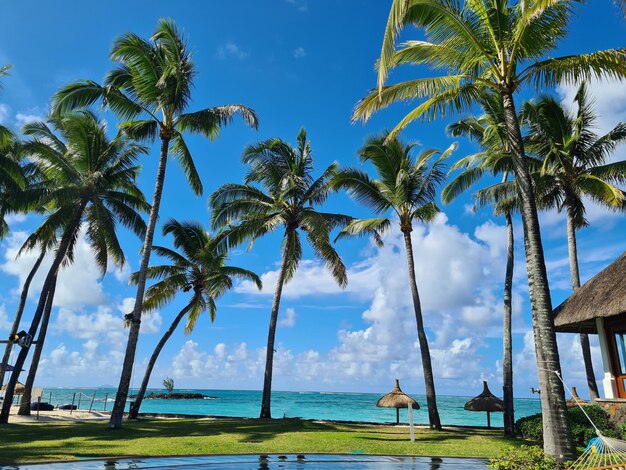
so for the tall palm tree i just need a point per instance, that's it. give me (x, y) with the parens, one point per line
(286, 200)
(406, 185)
(94, 189)
(489, 132)
(500, 46)
(575, 166)
(197, 266)
(19, 178)
(151, 89)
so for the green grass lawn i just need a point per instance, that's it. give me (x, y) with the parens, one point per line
(158, 437)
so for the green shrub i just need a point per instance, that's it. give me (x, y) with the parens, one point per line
(522, 458)
(530, 428)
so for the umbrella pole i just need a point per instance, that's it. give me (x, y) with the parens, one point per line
(397, 415)
(488, 420)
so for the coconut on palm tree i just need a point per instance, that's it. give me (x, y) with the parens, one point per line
(575, 168)
(91, 188)
(407, 186)
(280, 193)
(488, 131)
(150, 89)
(500, 46)
(198, 265)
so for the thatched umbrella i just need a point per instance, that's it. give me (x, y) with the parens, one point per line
(19, 387)
(486, 401)
(398, 399)
(575, 400)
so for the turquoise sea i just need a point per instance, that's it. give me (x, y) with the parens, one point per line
(307, 405)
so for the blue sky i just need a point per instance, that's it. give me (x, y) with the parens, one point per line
(297, 63)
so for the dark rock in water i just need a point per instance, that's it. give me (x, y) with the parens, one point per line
(180, 396)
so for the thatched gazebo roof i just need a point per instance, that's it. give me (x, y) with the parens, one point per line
(601, 296)
(397, 399)
(19, 387)
(486, 401)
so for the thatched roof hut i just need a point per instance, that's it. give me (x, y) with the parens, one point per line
(486, 401)
(19, 387)
(397, 399)
(603, 295)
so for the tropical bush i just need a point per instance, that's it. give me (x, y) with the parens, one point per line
(522, 458)
(530, 428)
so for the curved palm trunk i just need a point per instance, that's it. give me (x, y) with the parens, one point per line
(133, 333)
(18, 314)
(507, 362)
(556, 432)
(266, 412)
(155, 354)
(32, 372)
(34, 325)
(429, 381)
(584, 338)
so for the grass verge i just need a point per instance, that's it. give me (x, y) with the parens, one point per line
(158, 437)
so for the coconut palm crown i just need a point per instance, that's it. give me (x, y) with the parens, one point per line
(280, 193)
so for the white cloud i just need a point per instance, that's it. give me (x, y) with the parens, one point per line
(5, 111)
(28, 117)
(5, 322)
(231, 50)
(78, 285)
(300, 5)
(289, 319)
(299, 53)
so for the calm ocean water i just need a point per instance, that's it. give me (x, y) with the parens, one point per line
(308, 405)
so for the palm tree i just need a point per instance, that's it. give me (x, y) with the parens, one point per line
(407, 186)
(93, 190)
(151, 89)
(574, 166)
(489, 132)
(197, 266)
(499, 46)
(286, 200)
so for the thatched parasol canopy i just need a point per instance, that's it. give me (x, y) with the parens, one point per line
(486, 401)
(19, 387)
(397, 399)
(602, 296)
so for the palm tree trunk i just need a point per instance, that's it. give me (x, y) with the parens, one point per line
(155, 354)
(32, 372)
(429, 380)
(133, 333)
(266, 412)
(584, 338)
(557, 437)
(18, 314)
(34, 325)
(507, 363)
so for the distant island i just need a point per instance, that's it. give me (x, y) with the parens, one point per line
(178, 396)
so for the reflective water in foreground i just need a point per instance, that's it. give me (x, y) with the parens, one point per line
(269, 462)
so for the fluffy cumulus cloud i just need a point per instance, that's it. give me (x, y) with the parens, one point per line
(231, 50)
(460, 281)
(289, 318)
(299, 53)
(5, 111)
(78, 285)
